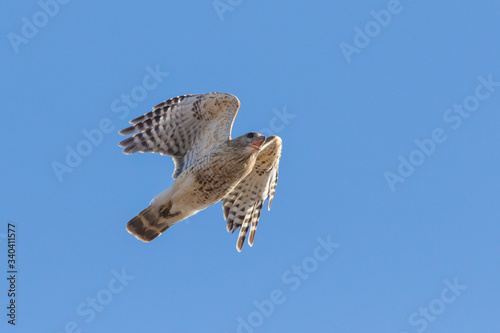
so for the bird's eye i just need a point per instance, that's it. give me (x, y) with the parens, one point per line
(250, 135)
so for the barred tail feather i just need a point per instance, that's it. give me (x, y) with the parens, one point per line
(147, 225)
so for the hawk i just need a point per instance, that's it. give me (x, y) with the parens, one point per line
(195, 130)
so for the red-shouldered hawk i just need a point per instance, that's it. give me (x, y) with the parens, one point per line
(209, 166)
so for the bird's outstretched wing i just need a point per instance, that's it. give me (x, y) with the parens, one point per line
(243, 204)
(182, 127)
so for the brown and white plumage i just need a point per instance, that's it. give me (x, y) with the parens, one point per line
(209, 166)
(243, 204)
(183, 127)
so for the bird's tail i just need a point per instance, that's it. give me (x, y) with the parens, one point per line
(148, 224)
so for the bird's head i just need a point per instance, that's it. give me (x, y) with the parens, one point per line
(251, 142)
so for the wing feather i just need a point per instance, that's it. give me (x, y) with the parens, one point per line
(182, 126)
(243, 204)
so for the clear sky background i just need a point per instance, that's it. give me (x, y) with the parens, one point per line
(390, 127)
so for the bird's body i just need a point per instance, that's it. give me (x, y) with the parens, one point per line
(208, 169)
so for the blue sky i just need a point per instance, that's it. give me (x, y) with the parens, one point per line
(386, 216)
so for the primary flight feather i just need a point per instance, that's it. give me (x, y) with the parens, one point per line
(209, 166)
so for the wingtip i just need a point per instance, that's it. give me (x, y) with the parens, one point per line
(269, 205)
(127, 131)
(239, 247)
(122, 144)
(252, 236)
(138, 119)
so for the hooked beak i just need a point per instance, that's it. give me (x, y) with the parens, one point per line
(257, 144)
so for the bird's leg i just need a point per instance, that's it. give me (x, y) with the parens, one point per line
(165, 210)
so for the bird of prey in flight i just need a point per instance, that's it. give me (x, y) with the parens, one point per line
(195, 130)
